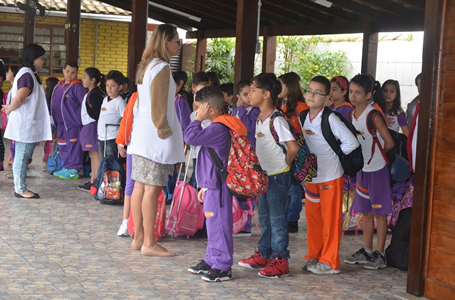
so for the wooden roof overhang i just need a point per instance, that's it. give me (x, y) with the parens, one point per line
(291, 17)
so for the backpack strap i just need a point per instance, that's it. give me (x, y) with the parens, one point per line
(327, 132)
(373, 131)
(273, 130)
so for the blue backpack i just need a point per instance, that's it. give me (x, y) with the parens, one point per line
(109, 185)
(54, 161)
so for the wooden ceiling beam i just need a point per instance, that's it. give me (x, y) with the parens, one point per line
(389, 7)
(265, 16)
(338, 13)
(289, 9)
(358, 9)
(415, 4)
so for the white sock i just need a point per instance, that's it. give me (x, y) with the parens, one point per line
(125, 221)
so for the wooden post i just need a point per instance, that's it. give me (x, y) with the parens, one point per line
(423, 183)
(137, 37)
(245, 43)
(201, 51)
(29, 26)
(73, 21)
(369, 51)
(268, 53)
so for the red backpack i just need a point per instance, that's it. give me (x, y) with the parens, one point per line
(243, 174)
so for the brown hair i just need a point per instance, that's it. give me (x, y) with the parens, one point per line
(156, 48)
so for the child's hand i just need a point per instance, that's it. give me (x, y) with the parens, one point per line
(5, 109)
(200, 196)
(202, 112)
(121, 151)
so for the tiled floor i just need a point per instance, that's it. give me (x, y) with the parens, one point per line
(64, 246)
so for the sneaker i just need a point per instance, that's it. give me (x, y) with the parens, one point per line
(70, 174)
(86, 187)
(242, 234)
(201, 268)
(360, 257)
(311, 262)
(215, 275)
(293, 227)
(376, 262)
(255, 261)
(322, 268)
(123, 230)
(59, 173)
(278, 267)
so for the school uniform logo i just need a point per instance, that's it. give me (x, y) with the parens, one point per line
(209, 214)
(376, 206)
(325, 187)
(260, 134)
(104, 109)
(309, 132)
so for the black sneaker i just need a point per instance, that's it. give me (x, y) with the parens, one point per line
(293, 227)
(216, 275)
(86, 187)
(201, 268)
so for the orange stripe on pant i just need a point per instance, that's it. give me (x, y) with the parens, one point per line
(324, 221)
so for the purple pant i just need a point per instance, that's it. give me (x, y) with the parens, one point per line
(129, 182)
(373, 193)
(70, 147)
(245, 207)
(220, 246)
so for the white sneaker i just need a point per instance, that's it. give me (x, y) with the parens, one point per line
(322, 268)
(123, 230)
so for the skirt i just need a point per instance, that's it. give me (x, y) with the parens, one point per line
(89, 137)
(149, 172)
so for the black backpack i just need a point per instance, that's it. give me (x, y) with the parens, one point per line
(397, 253)
(352, 162)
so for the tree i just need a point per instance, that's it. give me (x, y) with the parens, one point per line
(220, 58)
(301, 56)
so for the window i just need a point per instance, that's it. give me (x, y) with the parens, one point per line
(50, 37)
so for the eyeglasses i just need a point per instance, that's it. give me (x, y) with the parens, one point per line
(309, 92)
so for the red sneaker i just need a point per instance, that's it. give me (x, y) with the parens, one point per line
(255, 261)
(278, 267)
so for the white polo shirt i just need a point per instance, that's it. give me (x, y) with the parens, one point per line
(111, 113)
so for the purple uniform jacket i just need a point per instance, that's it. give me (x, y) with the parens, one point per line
(183, 111)
(215, 136)
(249, 120)
(66, 104)
(343, 110)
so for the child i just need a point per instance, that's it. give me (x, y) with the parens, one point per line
(180, 78)
(66, 114)
(373, 196)
(228, 93)
(11, 72)
(198, 78)
(248, 115)
(324, 195)
(111, 113)
(216, 266)
(394, 114)
(213, 79)
(340, 97)
(92, 80)
(291, 102)
(125, 91)
(122, 140)
(411, 108)
(205, 124)
(181, 104)
(51, 82)
(273, 252)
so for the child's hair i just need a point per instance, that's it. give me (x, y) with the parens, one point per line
(227, 88)
(212, 95)
(343, 83)
(51, 82)
(240, 85)
(370, 85)
(396, 106)
(13, 69)
(180, 76)
(126, 80)
(324, 81)
(117, 76)
(98, 76)
(156, 48)
(200, 77)
(417, 78)
(71, 64)
(268, 82)
(203, 84)
(295, 95)
(32, 52)
(213, 78)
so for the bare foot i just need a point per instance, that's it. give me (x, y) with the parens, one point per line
(156, 250)
(136, 245)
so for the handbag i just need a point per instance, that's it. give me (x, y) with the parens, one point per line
(399, 171)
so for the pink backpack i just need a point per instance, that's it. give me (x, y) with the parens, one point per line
(240, 216)
(186, 215)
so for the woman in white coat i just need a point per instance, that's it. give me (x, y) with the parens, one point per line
(28, 121)
(156, 137)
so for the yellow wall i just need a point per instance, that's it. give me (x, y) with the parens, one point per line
(111, 43)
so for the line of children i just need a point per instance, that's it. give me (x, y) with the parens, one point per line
(291, 103)
(323, 197)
